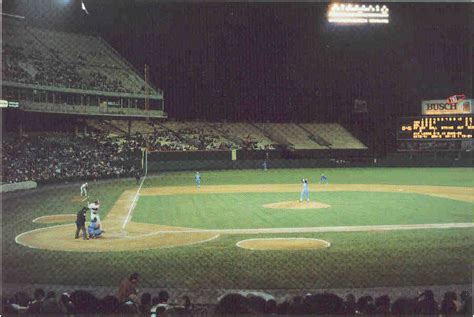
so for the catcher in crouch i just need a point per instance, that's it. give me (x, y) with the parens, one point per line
(94, 229)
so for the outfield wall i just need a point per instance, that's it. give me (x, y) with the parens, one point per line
(4, 188)
(220, 160)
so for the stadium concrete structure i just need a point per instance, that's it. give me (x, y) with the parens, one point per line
(75, 110)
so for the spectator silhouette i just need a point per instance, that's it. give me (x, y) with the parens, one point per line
(382, 305)
(466, 302)
(365, 305)
(145, 303)
(109, 305)
(350, 305)
(324, 304)
(65, 304)
(84, 302)
(50, 304)
(128, 287)
(36, 305)
(403, 306)
(448, 304)
(233, 304)
(426, 305)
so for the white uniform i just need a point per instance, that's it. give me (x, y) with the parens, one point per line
(84, 189)
(94, 211)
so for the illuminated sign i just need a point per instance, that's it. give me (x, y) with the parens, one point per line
(346, 13)
(434, 146)
(443, 107)
(456, 98)
(436, 128)
(13, 104)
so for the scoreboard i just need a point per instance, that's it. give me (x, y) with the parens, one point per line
(447, 127)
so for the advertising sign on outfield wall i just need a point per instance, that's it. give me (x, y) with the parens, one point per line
(442, 107)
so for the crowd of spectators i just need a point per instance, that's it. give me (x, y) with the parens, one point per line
(251, 143)
(191, 138)
(46, 157)
(206, 140)
(10, 66)
(248, 142)
(102, 154)
(166, 141)
(99, 81)
(31, 66)
(63, 157)
(331, 304)
(128, 301)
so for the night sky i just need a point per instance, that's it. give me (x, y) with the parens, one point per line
(278, 61)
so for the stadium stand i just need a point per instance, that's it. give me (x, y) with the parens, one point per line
(201, 135)
(289, 134)
(250, 137)
(334, 134)
(54, 156)
(102, 150)
(68, 60)
(158, 137)
(104, 127)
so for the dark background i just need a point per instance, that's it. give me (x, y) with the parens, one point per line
(278, 61)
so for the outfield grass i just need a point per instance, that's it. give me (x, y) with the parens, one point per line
(463, 177)
(362, 259)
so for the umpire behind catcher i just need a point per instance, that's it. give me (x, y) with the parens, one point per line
(81, 223)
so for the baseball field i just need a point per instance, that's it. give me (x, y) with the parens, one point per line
(368, 227)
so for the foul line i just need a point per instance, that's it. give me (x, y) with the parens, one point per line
(134, 203)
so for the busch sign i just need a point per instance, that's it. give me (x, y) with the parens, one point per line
(442, 107)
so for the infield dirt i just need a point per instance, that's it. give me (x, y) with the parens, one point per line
(124, 235)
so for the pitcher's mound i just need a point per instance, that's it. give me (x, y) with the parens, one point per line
(297, 205)
(283, 244)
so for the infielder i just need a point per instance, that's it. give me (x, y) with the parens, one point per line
(198, 179)
(305, 191)
(94, 208)
(84, 189)
(323, 179)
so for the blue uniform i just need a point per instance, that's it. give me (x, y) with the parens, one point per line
(305, 191)
(323, 179)
(198, 180)
(93, 230)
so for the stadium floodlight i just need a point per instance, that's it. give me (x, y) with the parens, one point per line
(358, 14)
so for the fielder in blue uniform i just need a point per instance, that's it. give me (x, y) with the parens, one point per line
(305, 191)
(198, 179)
(323, 179)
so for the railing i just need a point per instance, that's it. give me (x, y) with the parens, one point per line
(89, 110)
(80, 91)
